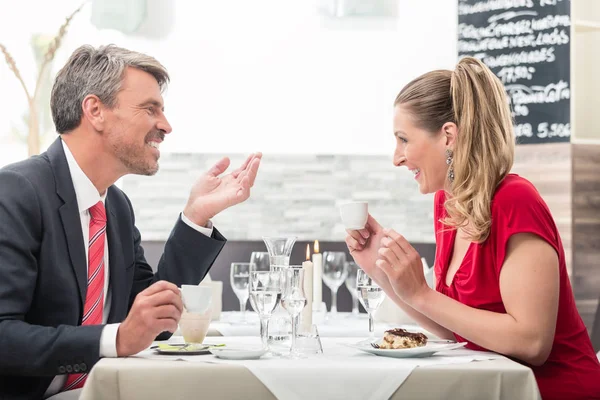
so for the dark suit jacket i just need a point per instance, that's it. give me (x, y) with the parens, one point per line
(43, 272)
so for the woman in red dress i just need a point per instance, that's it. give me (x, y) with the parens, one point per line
(501, 277)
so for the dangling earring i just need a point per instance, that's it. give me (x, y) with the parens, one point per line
(449, 158)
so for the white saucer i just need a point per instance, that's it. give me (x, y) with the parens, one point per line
(238, 354)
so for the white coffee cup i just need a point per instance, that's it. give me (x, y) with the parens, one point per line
(196, 299)
(216, 288)
(354, 214)
(194, 326)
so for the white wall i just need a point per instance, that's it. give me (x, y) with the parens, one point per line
(273, 75)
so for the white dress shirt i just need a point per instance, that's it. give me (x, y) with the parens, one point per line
(87, 195)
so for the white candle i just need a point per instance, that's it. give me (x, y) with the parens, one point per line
(306, 317)
(317, 259)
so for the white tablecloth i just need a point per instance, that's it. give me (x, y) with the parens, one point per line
(340, 373)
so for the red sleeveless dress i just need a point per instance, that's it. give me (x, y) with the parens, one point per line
(572, 370)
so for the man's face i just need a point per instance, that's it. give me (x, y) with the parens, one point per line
(137, 125)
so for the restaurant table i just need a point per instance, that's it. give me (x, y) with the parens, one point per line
(147, 379)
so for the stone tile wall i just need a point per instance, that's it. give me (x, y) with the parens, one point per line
(293, 194)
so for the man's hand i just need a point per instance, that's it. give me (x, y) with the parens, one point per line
(155, 310)
(212, 194)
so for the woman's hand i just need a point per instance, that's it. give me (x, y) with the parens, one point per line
(363, 245)
(402, 266)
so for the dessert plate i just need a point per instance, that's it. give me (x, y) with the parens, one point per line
(423, 351)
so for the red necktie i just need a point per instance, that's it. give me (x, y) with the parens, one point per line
(94, 299)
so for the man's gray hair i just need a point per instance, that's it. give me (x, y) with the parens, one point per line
(99, 72)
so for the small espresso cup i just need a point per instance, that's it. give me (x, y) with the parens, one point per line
(196, 299)
(354, 214)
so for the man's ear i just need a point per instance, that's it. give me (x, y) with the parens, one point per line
(450, 134)
(93, 111)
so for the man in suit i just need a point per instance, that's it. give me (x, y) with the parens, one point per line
(74, 283)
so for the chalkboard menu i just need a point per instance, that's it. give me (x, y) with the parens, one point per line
(526, 44)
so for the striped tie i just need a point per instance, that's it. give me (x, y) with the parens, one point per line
(94, 300)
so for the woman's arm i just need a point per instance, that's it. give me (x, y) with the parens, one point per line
(529, 286)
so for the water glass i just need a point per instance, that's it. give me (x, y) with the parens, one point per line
(265, 293)
(261, 260)
(334, 274)
(309, 342)
(293, 299)
(279, 332)
(371, 296)
(240, 278)
(352, 271)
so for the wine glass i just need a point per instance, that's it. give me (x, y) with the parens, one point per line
(334, 274)
(352, 269)
(371, 296)
(239, 276)
(261, 260)
(265, 293)
(293, 300)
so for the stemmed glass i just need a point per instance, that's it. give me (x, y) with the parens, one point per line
(334, 274)
(265, 293)
(239, 276)
(352, 269)
(261, 260)
(293, 300)
(371, 296)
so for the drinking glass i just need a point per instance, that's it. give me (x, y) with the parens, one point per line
(239, 276)
(334, 274)
(308, 340)
(371, 296)
(352, 269)
(280, 249)
(261, 260)
(293, 300)
(265, 293)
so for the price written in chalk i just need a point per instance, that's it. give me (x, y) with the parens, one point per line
(544, 130)
(513, 74)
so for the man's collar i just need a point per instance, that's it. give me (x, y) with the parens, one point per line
(86, 193)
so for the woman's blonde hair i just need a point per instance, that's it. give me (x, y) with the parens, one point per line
(474, 99)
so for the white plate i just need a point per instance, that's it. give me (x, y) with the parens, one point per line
(424, 351)
(238, 354)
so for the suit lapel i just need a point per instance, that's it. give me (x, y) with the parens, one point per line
(69, 214)
(115, 263)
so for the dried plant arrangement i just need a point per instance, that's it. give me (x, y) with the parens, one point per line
(33, 138)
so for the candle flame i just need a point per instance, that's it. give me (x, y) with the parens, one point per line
(316, 246)
(307, 252)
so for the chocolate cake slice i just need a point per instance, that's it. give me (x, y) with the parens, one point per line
(402, 339)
